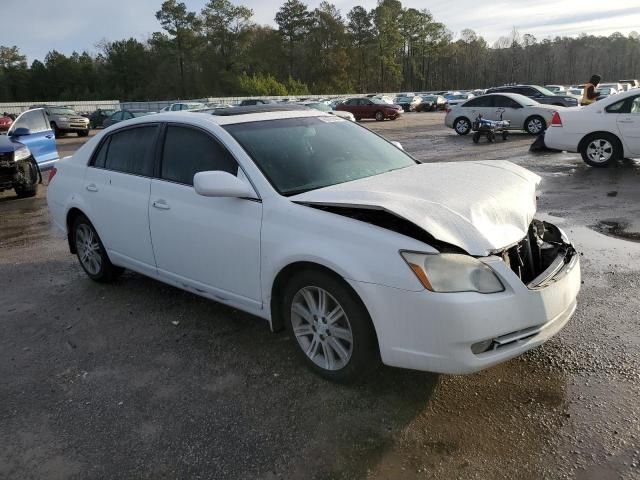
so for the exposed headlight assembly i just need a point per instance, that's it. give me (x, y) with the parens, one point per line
(21, 153)
(452, 272)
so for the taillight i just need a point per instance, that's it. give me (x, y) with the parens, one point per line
(52, 173)
(555, 120)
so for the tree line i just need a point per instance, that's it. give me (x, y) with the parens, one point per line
(219, 51)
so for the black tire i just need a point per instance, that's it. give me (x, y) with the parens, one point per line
(505, 135)
(83, 133)
(56, 131)
(476, 137)
(358, 119)
(491, 137)
(535, 125)
(379, 116)
(462, 125)
(609, 153)
(27, 185)
(365, 353)
(107, 272)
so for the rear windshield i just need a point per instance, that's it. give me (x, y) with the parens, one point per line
(301, 154)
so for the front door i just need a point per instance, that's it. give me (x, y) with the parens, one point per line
(40, 140)
(509, 109)
(208, 244)
(116, 190)
(629, 126)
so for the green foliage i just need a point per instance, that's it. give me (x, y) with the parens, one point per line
(220, 51)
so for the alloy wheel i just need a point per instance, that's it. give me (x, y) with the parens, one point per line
(600, 151)
(535, 126)
(88, 249)
(321, 328)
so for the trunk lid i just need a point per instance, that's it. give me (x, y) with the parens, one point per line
(481, 207)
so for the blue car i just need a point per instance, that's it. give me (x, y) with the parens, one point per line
(29, 146)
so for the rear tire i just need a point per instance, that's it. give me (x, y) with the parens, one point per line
(341, 347)
(600, 150)
(535, 125)
(462, 125)
(91, 253)
(476, 137)
(379, 116)
(83, 133)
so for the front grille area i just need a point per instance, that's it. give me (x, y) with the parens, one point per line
(541, 251)
(6, 159)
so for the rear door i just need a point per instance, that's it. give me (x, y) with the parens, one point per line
(40, 140)
(629, 124)
(211, 244)
(510, 110)
(117, 185)
(478, 106)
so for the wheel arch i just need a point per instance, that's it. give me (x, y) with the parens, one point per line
(601, 132)
(286, 273)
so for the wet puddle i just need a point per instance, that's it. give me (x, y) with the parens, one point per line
(616, 228)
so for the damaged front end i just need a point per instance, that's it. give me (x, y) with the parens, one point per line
(540, 257)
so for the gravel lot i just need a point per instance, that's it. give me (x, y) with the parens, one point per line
(98, 381)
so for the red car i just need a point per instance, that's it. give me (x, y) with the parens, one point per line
(5, 123)
(363, 107)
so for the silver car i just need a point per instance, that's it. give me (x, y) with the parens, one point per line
(65, 120)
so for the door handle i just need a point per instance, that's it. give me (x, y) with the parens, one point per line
(50, 136)
(161, 204)
(92, 187)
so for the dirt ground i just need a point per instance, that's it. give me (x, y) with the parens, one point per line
(99, 381)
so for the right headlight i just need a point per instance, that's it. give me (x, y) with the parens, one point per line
(452, 272)
(21, 153)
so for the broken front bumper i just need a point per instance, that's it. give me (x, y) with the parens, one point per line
(465, 332)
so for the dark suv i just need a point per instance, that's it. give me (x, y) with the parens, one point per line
(537, 93)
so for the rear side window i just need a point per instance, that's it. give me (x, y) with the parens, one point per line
(131, 150)
(101, 155)
(479, 102)
(188, 151)
(505, 102)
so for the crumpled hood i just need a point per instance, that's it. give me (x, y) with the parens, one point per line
(480, 207)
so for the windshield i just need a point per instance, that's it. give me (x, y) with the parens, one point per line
(61, 111)
(301, 154)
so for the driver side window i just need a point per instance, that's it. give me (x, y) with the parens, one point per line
(33, 120)
(635, 105)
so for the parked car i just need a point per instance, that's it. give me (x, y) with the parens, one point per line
(122, 115)
(97, 118)
(522, 112)
(5, 122)
(179, 106)
(256, 101)
(615, 86)
(408, 101)
(453, 100)
(605, 91)
(362, 107)
(557, 89)
(433, 102)
(633, 82)
(323, 107)
(29, 146)
(327, 229)
(537, 93)
(65, 120)
(602, 132)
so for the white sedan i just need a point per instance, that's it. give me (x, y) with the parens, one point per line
(523, 112)
(320, 226)
(602, 132)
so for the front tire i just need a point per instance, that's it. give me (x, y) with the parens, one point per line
(331, 327)
(600, 150)
(379, 116)
(92, 254)
(83, 133)
(535, 125)
(462, 126)
(27, 184)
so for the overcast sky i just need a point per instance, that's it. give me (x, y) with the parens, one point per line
(37, 26)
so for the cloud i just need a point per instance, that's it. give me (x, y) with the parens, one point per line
(39, 26)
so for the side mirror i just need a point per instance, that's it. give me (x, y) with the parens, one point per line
(21, 132)
(221, 184)
(398, 144)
